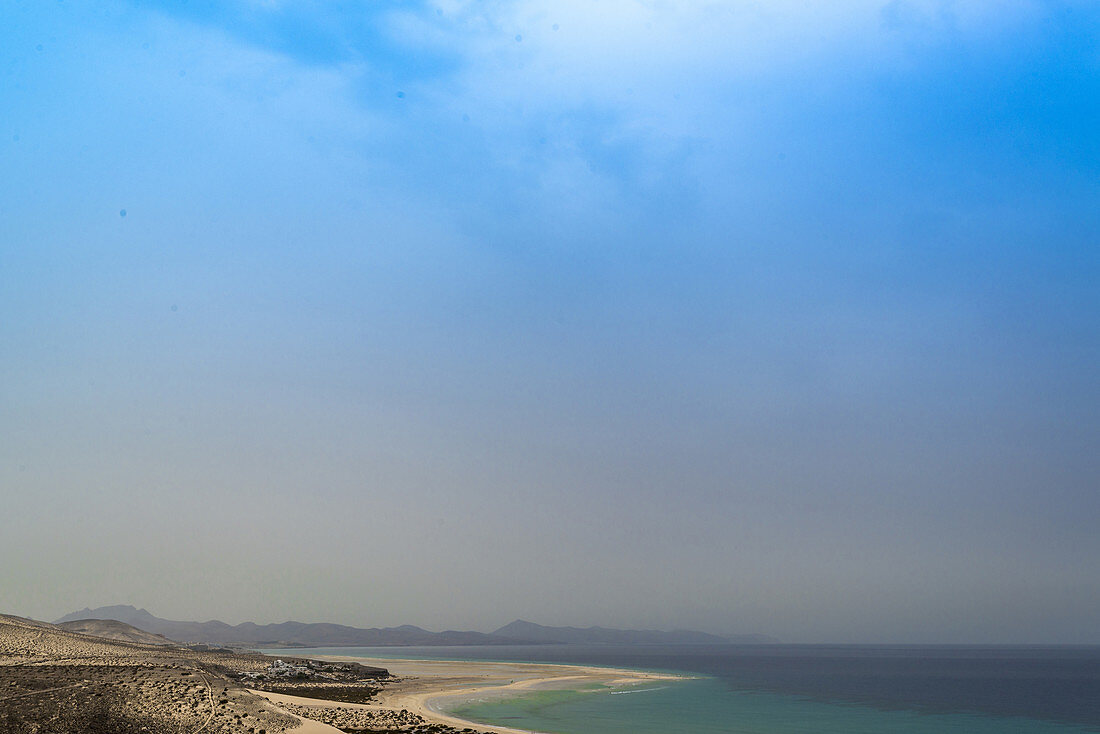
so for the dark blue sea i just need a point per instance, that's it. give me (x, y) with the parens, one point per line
(788, 689)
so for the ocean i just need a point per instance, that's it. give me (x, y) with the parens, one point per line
(797, 689)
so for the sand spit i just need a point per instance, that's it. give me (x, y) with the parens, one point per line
(427, 688)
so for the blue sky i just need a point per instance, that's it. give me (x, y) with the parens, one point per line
(775, 317)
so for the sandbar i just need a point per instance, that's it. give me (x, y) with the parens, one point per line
(429, 687)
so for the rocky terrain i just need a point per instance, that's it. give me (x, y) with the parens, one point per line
(59, 681)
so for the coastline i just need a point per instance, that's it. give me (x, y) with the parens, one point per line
(426, 687)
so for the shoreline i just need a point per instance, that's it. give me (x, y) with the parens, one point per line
(425, 687)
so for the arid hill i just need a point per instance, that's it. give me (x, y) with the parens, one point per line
(112, 629)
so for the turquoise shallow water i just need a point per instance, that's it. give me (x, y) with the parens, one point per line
(791, 689)
(708, 706)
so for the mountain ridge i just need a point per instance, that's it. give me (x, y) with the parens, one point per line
(319, 634)
(281, 634)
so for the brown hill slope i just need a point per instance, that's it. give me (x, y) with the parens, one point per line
(112, 629)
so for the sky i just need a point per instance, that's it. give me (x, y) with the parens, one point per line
(749, 317)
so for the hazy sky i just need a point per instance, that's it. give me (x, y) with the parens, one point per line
(776, 317)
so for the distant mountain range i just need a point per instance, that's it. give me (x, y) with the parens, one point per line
(301, 634)
(285, 634)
